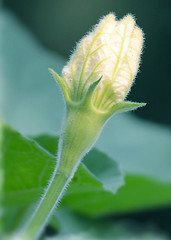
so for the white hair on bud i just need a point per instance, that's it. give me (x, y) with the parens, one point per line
(112, 50)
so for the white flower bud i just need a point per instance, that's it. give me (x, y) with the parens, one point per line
(111, 51)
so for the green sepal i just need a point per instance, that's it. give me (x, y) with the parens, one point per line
(124, 107)
(90, 91)
(62, 83)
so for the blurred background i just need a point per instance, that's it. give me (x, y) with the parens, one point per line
(59, 24)
(37, 34)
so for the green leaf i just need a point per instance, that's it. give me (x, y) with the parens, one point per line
(12, 217)
(141, 192)
(106, 171)
(28, 93)
(141, 147)
(27, 167)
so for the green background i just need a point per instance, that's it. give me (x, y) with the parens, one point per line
(56, 26)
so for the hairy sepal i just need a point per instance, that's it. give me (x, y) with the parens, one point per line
(124, 107)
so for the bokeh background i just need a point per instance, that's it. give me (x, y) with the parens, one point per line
(37, 34)
(59, 24)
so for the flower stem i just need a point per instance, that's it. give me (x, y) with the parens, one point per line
(80, 130)
(50, 200)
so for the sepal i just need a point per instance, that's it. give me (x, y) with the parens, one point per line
(88, 97)
(62, 83)
(125, 107)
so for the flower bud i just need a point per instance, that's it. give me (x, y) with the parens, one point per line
(111, 51)
(95, 83)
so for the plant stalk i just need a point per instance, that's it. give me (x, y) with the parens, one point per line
(81, 128)
(46, 206)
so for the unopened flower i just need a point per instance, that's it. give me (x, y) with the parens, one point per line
(95, 82)
(111, 52)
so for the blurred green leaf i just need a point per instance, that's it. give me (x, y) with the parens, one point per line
(12, 217)
(140, 147)
(27, 167)
(88, 192)
(28, 93)
(99, 164)
(139, 193)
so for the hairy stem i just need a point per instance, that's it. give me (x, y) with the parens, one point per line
(81, 128)
(45, 208)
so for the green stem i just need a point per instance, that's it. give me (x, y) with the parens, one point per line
(52, 196)
(81, 128)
